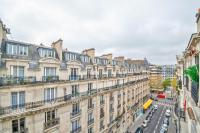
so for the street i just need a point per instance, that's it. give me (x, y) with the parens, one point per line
(155, 124)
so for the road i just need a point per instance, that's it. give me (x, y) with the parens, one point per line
(155, 123)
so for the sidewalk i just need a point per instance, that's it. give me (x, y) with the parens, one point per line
(138, 122)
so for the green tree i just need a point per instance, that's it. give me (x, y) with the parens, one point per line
(193, 73)
(166, 83)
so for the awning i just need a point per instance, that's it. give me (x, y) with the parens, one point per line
(147, 104)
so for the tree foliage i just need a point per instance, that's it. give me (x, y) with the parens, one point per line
(166, 83)
(193, 73)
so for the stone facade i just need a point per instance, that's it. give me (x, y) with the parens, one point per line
(53, 90)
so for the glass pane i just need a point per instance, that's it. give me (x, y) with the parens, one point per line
(14, 99)
(15, 126)
(21, 99)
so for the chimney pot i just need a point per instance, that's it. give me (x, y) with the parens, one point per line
(199, 10)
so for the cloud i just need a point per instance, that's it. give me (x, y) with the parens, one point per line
(157, 30)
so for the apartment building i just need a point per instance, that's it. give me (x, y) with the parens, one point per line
(168, 71)
(155, 78)
(189, 99)
(49, 89)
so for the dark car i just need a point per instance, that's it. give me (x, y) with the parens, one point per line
(139, 130)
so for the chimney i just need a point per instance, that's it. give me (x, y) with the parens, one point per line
(90, 52)
(107, 56)
(120, 58)
(3, 32)
(58, 46)
(198, 21)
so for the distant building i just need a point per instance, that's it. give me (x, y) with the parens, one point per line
(168, 71)
(155, 78)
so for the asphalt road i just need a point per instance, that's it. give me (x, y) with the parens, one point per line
(156, 121)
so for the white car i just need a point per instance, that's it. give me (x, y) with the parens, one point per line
(155, 107)
(168, 111)
(167, 114)
(144, 124)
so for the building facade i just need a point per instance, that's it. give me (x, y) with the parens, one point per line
(168, 71)
(155, 78)
(189, 100)
(53, 90)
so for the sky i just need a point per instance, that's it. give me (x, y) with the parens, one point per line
(154, 29)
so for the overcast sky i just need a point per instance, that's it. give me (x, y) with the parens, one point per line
(155, 29)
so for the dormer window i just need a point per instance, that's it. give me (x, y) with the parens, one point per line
(85, 59)
(44, 52)
(70, 56)
(16, 49)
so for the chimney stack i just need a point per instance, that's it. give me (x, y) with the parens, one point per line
(90, 52)
(58, 46)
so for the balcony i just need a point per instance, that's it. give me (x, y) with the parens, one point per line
(111, 109)
(17, 80)
(91, 121)
(111, 99)
(102, 102)
(74, 77)
(91, 107)
(101, 115)
(77, 130)
(119, 106)
(102, 127)
(75, 114)
(76, 94)
(51, 123)
(50, 78)
(88, 77)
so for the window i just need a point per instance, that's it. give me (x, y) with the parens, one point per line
(50, 94)
(18, 99)
(75, 125)
(74, 74)
(90, 103)
(15, 49)
(75, 90)
(101, 125)
(18, 126)
(85, 58)
(111, 117)
(17, 71)
(109, 73)
(90, 86)
(90, 130)
(100, 72)
(45, 52)
(50, 115)
(101, 99)
(70, 56)
(75, 107)
(90, 116)
(49, 71)
(88, 73)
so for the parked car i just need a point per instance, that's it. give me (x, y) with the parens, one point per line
(167, 113)
(162, 130)
(155, 107)
(139, 130)
(144, 124)
(166, 121)
(164, 127)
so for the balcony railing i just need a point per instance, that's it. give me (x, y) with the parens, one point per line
(77, 130)
(102, 102)
(76, 113)
(91, 121)
(9, 80)
(74, 77)
(86, 77)
(111, 109)
(51, 123)
(101, 115)
(50, 78)
(90, 107)
(32, 105)
(16, 80)
(102, 127)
